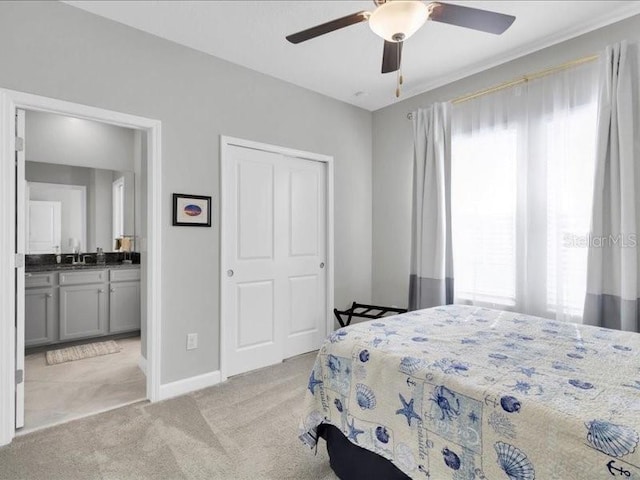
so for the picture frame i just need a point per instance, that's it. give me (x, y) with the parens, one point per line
(191, 210)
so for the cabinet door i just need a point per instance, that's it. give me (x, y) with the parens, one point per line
(39, 316)
(124, 307)
(83, 311)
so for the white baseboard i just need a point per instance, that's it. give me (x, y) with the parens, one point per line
(174, 389)
(142, 364)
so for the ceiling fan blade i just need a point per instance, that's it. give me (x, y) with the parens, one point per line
(483, 20)
(337, 24)
(391, 56)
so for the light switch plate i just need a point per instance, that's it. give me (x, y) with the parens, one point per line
(192, 341)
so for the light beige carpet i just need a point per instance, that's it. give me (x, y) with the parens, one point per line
(78, 352)
(243, 429)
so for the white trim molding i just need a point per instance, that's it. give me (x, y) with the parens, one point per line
(7, 269)
(225, 143)
(142, 364)
(10, 101)
(188, 385)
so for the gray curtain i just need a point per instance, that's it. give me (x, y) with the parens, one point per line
(613, 287)
(431, 274)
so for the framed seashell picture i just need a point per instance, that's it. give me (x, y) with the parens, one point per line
(191, 210)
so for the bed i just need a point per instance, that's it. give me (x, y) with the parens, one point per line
(461, 392)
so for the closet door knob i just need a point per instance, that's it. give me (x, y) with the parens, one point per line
(321, 264)
(229, 273)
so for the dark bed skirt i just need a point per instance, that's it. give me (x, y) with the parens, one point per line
(350, 462)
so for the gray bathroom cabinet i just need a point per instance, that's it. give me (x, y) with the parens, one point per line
(40, 309)
(124, 301)
(84, 303)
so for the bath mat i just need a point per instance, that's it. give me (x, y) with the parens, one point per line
(79, 352)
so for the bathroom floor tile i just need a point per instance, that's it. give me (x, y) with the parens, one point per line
(58, 393)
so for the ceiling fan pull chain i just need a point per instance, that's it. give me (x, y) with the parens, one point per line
(399, 78)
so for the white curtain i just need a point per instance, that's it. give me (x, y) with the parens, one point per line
(613, 292)
(523, 163)
(430, 281)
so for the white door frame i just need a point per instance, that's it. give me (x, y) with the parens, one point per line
(10, 101)
(225, 143)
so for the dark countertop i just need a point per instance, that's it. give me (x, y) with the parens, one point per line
(70, 268)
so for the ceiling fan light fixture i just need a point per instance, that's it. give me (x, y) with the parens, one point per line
(397, 20)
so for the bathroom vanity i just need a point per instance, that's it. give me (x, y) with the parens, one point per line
(68, 303)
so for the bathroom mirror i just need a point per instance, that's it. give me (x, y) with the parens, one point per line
(73, 208)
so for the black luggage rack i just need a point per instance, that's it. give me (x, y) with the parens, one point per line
(361, 310)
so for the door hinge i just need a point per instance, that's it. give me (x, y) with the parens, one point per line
(19, 260)
(19, 376)
(19, 144)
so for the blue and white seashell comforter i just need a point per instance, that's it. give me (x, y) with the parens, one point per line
(462, 392)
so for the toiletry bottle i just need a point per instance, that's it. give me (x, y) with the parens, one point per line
(58, 256)
(100, 257)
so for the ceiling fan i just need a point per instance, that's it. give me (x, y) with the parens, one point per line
(396, 20)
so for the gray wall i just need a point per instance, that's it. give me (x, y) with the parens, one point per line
(393, 153)
(72, 141)
(58, 51)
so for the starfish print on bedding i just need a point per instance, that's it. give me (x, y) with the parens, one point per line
(528, 371)
(353, 431)
(407, 410)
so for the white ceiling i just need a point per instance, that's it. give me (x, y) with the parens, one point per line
(339, 64)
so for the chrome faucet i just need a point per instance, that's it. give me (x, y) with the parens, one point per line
(75, 259)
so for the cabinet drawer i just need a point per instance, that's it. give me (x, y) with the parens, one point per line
(125, 274)
(33, 280)
(80, 277)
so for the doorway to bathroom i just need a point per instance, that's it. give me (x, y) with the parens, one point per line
(83, 217)
(84, 335)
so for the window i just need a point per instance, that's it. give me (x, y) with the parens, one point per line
(523, 163)
(570, 172)
(484, 221)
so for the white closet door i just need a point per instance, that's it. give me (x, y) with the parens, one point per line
(275, 288)
(254, 336)
(303, 252)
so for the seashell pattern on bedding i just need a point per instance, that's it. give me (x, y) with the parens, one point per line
(459, 392)
(614, 440)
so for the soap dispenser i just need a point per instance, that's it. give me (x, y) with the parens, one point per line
(100, 257)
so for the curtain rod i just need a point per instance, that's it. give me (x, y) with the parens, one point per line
(520, 80)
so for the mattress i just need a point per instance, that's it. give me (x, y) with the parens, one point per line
(462, 392)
